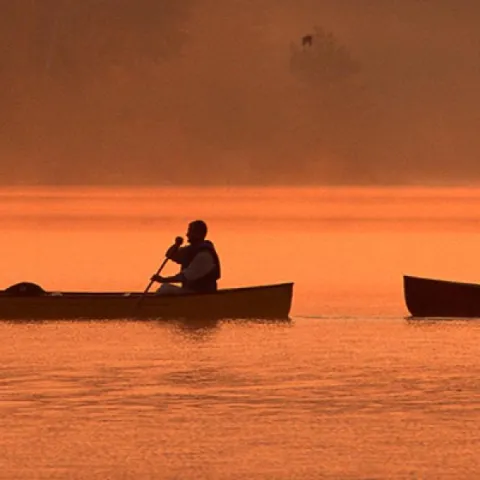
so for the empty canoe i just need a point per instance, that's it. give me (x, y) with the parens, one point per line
(262, 302)
(426, 297)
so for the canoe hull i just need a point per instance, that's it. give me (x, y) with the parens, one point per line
(266, 302)
(427, 297)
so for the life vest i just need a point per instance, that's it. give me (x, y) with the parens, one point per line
(207, 283)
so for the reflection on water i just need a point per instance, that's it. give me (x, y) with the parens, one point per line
(351, 398)
(349, 388)
(197, 330)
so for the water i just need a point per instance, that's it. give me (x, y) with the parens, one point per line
(349, 388)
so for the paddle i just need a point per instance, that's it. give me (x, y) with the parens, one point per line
(178, 242)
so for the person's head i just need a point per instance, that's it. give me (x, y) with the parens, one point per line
(197, 231)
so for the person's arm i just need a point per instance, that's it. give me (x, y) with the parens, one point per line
(178, 278)
(175, 253)
(201, 265)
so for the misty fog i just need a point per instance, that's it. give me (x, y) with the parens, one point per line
(225, 91)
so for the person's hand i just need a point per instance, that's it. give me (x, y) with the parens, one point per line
(173, 249)
(157, 278)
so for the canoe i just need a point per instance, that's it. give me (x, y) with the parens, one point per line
(426, 297)
(260, 302)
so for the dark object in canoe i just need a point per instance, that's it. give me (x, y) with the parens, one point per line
(24, 289)
(31, 303)
(426, 297)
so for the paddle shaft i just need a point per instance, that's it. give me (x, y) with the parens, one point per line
(158, 273)
(178, 242)
(140, 300)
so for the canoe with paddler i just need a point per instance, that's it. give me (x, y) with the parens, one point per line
(192, 293)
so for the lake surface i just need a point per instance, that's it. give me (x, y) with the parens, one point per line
(349, 389)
